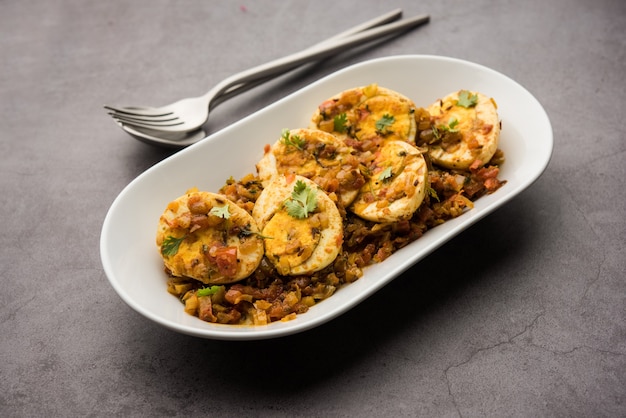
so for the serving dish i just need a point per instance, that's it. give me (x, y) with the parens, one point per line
(128, 251)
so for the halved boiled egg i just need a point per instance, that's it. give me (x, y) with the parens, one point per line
(301, 226)
(367, 114)
(397, 184)
(465, 130)
(207, 237)
(318, 156)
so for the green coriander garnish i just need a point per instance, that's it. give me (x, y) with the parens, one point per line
(450, 127)
(467, 99)
(170, 245)
(452, 124)
(246, 232)
(292, 140)
(208, 291)
(385, 174)
(383, 124)
(220, 211)
(340, 123)
(436, 133)
(303, 201)
(432, 193)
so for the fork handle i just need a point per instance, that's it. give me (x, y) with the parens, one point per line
(233, 91)
(317, 52)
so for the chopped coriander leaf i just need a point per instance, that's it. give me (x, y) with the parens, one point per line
(292, 140)
(246, 232)
(450, 127)
(385, 174)
(452, 123)
(171, 244)
(220, 211)
(303, 201)
(383, 124)
(340, 123)
(467, 99)
(436, 133)
(208, 291)
(432, 193)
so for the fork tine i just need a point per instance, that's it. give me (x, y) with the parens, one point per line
(138, 111)
(147, 124)
(128, 117)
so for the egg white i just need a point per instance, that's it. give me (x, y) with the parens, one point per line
(397, 185)
(364, 107)
(479, 126)
(315, 250)
(190, 216)
(335, 171)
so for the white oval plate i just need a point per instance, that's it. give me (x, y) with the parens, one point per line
(129, 254)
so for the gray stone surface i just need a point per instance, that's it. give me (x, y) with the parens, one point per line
(529, 321)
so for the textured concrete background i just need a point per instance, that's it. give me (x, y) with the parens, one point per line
(528, 321)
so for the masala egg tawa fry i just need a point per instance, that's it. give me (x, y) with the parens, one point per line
(209, 238)
(396, 186)
(367, 114)
(316, 155)
(369, 175)
(465, 130)
(301, 226)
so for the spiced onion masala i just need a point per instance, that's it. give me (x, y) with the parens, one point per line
(370, 174)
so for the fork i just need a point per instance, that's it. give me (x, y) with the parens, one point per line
(190, 114)
(181, 140)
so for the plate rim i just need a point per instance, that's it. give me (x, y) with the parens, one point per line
(279, 329)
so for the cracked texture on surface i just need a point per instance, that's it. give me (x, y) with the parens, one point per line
(523, 314)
